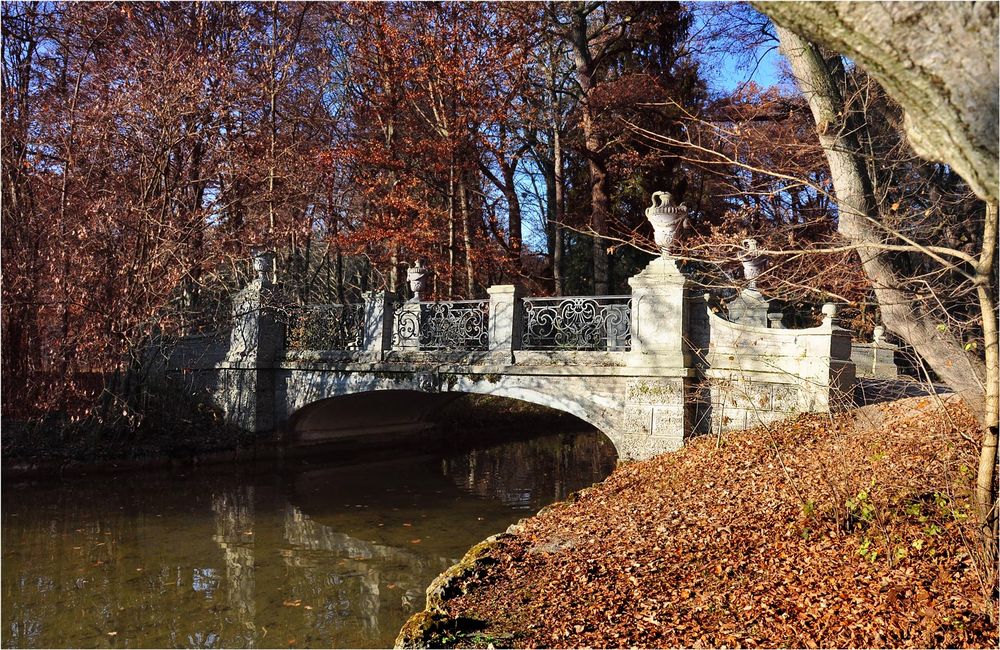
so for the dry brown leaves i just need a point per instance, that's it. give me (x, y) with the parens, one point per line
(856, 532)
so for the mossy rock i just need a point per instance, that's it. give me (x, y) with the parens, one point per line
(435, 630)
(451, 583)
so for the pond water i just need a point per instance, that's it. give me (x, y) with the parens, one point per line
(304, 553)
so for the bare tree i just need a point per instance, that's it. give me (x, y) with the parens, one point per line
(939, 62)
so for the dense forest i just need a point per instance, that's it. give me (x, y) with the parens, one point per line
(149, 148)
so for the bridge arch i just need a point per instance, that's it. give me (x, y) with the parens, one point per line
(596, 399)
(390, 411)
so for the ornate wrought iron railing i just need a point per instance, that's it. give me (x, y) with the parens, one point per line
(577, 323)
(326, 327)
(460, 325)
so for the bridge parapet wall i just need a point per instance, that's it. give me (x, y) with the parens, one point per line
(759, 374)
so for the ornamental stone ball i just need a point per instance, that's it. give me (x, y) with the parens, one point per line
(416, 277)
(666, 217)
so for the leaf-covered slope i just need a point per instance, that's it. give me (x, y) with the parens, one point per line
(851, 533)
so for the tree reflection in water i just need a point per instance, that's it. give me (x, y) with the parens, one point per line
(524, 474)
(309, 554)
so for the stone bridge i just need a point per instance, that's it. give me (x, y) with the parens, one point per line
(649, 369)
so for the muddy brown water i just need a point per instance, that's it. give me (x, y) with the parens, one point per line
(305, 553)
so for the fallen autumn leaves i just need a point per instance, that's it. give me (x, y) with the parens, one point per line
(851, 533)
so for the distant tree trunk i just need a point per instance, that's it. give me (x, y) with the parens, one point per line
(560, 212)
(451, 231)
(272, 120)
(513, 213)
(394, 269)
(470, 271)
(600, 203)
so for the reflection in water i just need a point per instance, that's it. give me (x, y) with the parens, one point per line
(518, 476)
(309, 555)
(234, 520)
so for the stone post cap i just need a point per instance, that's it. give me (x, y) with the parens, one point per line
(663, 203)
(829, 311)
(417, 271)
(500, 289)
(750, 248)
(263, 262)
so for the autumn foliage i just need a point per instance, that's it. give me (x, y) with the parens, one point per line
(148, 148)
(853, 533)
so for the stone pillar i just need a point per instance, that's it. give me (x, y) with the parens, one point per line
(827, 369)
(659, 407)
(749, 307)
(505, 321)
(659, 316)
(378, 323)
(883, 356)
(875, 360)
(256, 341)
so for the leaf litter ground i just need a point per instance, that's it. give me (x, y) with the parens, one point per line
(853, 532)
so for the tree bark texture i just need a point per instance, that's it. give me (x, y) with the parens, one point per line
(600, 203)
(938, 60)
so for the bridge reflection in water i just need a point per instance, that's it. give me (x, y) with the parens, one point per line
(308, 555)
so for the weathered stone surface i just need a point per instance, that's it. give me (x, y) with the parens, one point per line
(749, 307)
(646, 400)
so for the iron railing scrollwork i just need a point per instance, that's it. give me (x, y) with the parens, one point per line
(326, 327)
(459, 325)
(577, 323)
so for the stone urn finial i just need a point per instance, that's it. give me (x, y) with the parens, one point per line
(666, 218)
(416, 277)
(263, 264)
(753, 262)
(878, 335)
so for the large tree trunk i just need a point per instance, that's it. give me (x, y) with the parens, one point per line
(938, 60)
(931, 338)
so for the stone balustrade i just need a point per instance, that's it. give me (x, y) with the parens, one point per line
(649, 369)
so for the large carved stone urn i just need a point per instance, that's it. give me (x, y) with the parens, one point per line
(263, 264)
(753, 262)
(666, 218)
(416, 277)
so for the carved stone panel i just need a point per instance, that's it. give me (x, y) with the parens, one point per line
(637, 420)
(669, 421)
(786, 398)
(654, 391)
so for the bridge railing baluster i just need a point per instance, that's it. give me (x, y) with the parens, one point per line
(325, 327)
(577, 323)
(456, 325)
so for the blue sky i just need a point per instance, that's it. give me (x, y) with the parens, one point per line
(730, 74)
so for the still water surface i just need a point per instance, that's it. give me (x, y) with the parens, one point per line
(305, 554)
